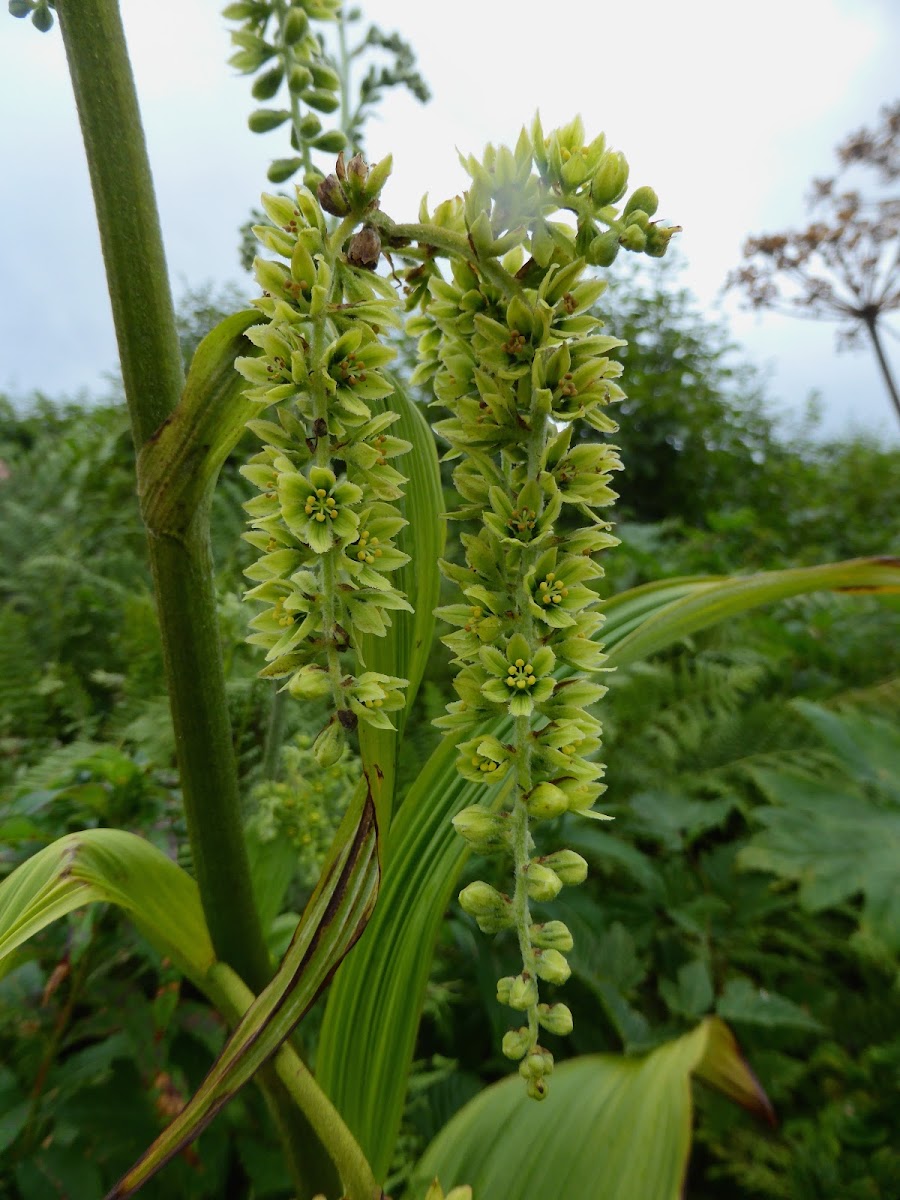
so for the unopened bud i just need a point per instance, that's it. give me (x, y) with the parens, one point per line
(310, 683)
(610, 179)
(551, 965)
(547, 801)
(571, 868)
(555, 1018)
(295, 25)
(603, 249)
(542, 882)
(504, 986)
(536, 1065)
(517, 1042)
(490, 909)
(643, 198)
(552, 935)
(329, 745)
(633, 239)
(523, 992)
(485, 831)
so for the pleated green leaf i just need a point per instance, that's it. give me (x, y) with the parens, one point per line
(333, 920)
(119, 868)
(645, 620)
(374, 1006)
(404, 651)
(611, 1127)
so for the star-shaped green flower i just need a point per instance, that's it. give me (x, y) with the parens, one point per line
(319, 510)
(521, 678)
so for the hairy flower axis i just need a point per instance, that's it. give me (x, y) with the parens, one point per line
(324, 519)
(513, 351)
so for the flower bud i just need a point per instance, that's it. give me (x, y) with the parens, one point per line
(643, 199)
(321, 99)
(517, 1042)
(551, 965)
(310, 683)
(603, 249)
(504, 986)
(547, 801)
(610, 179)
(266, 85)
(490, 909)
(633, 239)
(295, 25)
(299, 78)
(523, 992)
(551, 935)
(486, 832)
(555, 1018)
(283, 168)
(329, 745)
(537, 1064)
(542, 882)
(571, 868)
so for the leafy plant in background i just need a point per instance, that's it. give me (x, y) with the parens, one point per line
(515, 355)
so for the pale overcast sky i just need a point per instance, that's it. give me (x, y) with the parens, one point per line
(727, 109)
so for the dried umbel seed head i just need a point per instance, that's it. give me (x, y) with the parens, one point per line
(364, 249)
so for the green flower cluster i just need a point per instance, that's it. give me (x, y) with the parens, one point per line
(512, 349)
(305, 805)
(324, 519)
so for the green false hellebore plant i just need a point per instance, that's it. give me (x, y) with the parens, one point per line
(500, 284)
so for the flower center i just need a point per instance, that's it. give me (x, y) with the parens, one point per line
(520, 675)
(320, 505)
(367, 548)
(551, 590)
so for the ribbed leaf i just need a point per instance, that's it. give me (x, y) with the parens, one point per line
(373, 1008)
(367, 1039)
(645, 620)
(404, 651)
(332, 922)
(120, 868)
(616, 1128)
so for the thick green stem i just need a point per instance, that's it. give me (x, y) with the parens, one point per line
(153, 378)
(182, 567)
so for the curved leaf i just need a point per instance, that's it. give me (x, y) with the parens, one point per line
(120, 868)
(179, 465)
(404, 650)
(373, 1010)
(644, 620)
(614, 1127)
(332, 922)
